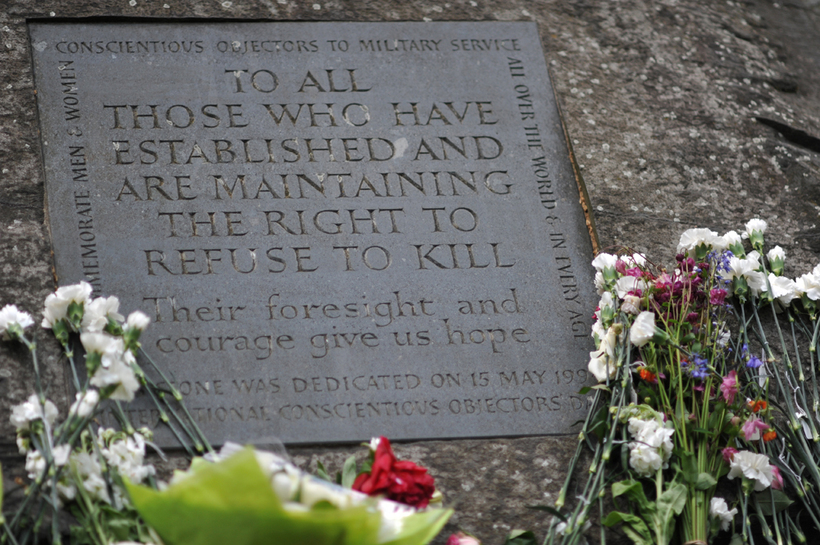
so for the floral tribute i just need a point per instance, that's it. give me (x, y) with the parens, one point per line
(240, 496)
(692, 429)
(401, 481)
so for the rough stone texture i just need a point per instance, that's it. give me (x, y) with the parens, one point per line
(660, 100)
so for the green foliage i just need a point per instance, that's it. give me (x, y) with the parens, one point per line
(520, 537)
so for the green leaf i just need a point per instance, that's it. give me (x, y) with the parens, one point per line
(233, 502)
(551, 510)
(769, 507)
(705, 481)
(673, 498)
(634, 527)
(349, 472)
(520, 537)
(322, 473)
(634, 491)
(688, 466)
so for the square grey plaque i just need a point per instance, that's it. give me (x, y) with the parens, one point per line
(339, 230)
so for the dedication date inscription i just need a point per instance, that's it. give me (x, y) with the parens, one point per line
(337, 229)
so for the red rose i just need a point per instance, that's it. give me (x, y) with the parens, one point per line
(398, 480)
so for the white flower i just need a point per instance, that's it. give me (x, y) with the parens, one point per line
(692, 238)
(632, 304)
(10, 315)
(138, 320)
(643, 328)
(603, 261)
(85, 403)
(57, 303)
(754, 467)
(606, 301)
(784, 290)
(747, 268)
(635, 260)
(602, 361)
(374, 443)
(35, 464)
(625, 284)
(127, 455)
(719, 510)
(600, 283)
(22, 415)
(808, 284)
(313, 491)
(652, 445)
(776, 253)
(109, 347)
(753, 225)
(98, 311)
(731, 238)
(119, 373)
(91, 474)
(61, 453)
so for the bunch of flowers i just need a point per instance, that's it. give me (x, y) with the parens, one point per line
(73, 464)
(245, 497)
(240, 496)
(683, 401)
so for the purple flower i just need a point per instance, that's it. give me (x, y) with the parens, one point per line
(754, 362)
(717, 297)
(728, 454)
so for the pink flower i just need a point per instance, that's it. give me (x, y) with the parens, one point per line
(729, 387)
(717, 297)
(460, 538)
(620, 266)
(753, 427)
(728, 454)
(664, 281)
(634, 271)
(777, 481)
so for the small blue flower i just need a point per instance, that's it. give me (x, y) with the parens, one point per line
(754, 362)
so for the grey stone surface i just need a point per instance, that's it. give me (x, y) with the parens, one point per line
(659, 99)
(336, 228)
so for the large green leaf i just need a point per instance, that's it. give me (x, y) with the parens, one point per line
(634, 491)
(633, 526)
(772, 501)
(233, 502)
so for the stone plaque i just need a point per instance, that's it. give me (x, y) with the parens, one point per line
(339, 230)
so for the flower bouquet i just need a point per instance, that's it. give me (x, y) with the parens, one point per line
(249, 497)
(100, 477)
(686, 419)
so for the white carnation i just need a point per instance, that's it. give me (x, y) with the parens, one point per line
(731, 238)
(56, 304)
(98, 311)
(808, 284)
(719, 510)
(755, 467)
(84, 403)
(753, 225)
(24, 414)
(784, 290)
(776, 253)
(119, 373)
(692, 238)
(138, 320)
(10, 315)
